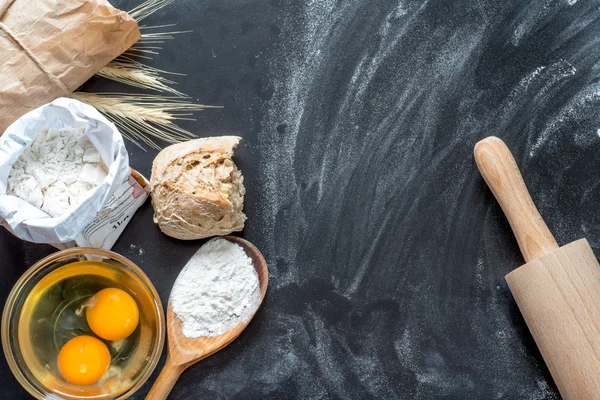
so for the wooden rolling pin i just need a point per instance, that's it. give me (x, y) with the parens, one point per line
(558, 290)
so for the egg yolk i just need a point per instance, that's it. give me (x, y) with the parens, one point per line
(112, 314)
(83, 360)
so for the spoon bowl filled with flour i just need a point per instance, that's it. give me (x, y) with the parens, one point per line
(213, 300)
(217, 290)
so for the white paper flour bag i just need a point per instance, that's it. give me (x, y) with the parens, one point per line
(102, 213)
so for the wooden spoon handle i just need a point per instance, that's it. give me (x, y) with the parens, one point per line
(501, 173)
(165, 381)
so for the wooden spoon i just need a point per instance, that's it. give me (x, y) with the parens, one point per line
(183, 352)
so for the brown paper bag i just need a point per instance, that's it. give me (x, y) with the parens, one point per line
(49, 48)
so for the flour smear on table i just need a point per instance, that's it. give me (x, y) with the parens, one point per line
(216, 290)
(374, 110)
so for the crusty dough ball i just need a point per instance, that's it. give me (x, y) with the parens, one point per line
(197, 190)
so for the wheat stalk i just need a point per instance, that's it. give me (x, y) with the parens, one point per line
(147, 8)
(143, 46)
(140, 116)
(158, 37)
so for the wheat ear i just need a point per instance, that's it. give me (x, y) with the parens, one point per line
(140, 116)
(138, 75)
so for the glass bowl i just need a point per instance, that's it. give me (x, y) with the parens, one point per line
(27, 351)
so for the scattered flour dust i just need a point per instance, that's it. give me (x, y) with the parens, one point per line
(140, 250)
(216, 290)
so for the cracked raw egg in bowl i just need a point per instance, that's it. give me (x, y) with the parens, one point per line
(83, 323)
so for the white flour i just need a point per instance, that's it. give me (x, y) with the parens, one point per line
(216, 290)
(57, 170)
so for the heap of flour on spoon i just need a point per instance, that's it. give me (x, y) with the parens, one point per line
(216, 290)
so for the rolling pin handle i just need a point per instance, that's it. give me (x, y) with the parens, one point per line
(501, 173)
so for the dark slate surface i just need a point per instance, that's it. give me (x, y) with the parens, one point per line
(386, 250)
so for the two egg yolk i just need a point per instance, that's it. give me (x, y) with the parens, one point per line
(112, 314)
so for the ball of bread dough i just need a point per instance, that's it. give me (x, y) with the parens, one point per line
(197, 191)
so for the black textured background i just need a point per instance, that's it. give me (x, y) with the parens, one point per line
(387, 252)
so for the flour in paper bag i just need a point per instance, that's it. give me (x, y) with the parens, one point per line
(57, 170)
